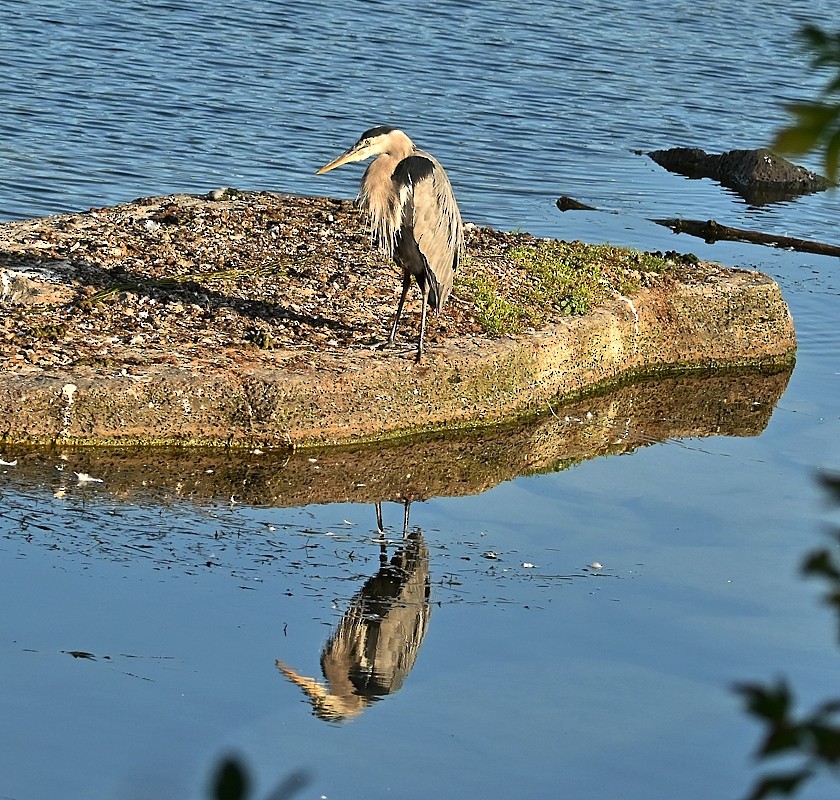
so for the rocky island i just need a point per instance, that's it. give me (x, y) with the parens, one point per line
(257, 320)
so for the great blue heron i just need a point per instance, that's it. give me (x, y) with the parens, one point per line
(413, 215)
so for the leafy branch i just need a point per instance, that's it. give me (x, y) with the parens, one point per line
(813, 737)
(816, 123)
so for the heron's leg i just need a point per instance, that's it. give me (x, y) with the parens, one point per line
(405, 287)
(383, 542)
(405, 518)
(423, 309)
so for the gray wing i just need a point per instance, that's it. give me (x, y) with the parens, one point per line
(430, 215)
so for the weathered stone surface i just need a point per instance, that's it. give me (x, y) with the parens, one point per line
(258, 320)
(760, 175)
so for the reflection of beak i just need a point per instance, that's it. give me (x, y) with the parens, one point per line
(355, 153)
(314, 690)
(325, 705)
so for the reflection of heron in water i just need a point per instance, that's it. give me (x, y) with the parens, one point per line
(376, 643)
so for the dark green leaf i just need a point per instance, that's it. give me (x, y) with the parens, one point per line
(824, 46)
(816, 114)
(770, 703)
(814, 37)
(832, 484)
(784, 737)
(820, 562)
(833, 86)
(231, 782)
(832, 156)
(796, 140)
(784, 784)
(827, 742)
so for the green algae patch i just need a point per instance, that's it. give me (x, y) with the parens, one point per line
(495, 313)
(534, 282)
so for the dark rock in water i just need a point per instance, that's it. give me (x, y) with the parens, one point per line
(759, 176)
(689, 161)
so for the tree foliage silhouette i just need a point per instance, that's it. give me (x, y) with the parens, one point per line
(816, 123)
(812, 739)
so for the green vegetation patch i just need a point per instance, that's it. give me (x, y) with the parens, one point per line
(531, 282)
(493, 310)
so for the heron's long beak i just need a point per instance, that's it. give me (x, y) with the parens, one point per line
(356, 153)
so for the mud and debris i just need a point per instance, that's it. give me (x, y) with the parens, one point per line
(186, 280)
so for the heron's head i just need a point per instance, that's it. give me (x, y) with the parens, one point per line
(373, 142)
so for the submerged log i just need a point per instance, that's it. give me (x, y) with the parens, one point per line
(711, 231)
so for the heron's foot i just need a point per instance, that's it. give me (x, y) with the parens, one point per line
(383, 343)
(403, 347)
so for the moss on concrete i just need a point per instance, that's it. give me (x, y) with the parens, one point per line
(545, 279)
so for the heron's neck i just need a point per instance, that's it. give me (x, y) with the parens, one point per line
(399, 146)
(377, 197)
(379, 201)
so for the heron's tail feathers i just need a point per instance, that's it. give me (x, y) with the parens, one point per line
(438, 293)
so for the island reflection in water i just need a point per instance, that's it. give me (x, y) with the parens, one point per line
(374, 647)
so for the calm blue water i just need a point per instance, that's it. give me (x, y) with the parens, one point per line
(539, 681)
